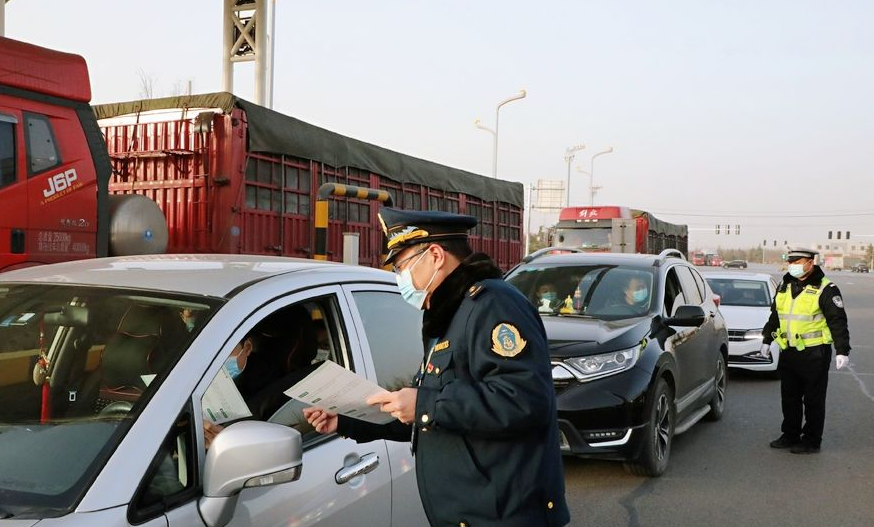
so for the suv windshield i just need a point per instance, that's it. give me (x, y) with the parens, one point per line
(76, 366)
(594, 290)
(736, 292)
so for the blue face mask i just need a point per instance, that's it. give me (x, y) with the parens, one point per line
(796, 270)
(232, 367)
(640, 295)
(550, 296)
(414, 297)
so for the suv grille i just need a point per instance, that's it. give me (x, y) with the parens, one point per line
(736, 335)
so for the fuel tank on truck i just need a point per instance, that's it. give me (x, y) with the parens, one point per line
(136, 226)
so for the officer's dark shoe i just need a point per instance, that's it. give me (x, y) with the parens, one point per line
(785, 441)
(804, 448)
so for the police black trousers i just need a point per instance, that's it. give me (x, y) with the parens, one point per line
(803, 384)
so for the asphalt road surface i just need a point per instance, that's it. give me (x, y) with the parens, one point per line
(724, 473)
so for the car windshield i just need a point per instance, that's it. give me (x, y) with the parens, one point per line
(591, 238)
(597, 291)
(740, 292)
(77, 364)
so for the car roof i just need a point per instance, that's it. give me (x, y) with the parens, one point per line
(739, 275)
(642, 260)
(217, 275)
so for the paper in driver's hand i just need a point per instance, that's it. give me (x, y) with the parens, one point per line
(336, 389)
(222, 401)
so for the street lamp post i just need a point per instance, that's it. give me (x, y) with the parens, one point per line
(478, 124)
(569, 157)
(592, 189)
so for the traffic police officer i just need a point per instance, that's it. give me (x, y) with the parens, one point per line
(807, 316)
(482, 407)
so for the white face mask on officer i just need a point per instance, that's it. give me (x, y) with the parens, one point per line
(414, 297)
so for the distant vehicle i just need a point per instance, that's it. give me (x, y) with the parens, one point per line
(735, 264)
(746, 305)
(698, 258)
(860, 268)
(617, 229)
(638, 350)
(712, 259)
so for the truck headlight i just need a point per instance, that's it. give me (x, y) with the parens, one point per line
(603, 365)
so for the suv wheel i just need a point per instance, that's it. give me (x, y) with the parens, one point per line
(717, 403)
(658, 434)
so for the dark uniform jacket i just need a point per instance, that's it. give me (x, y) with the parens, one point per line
(830, 302)
(486, 436)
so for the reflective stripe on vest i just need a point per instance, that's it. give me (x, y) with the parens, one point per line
(802, 323)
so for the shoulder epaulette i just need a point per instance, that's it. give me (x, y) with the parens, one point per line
(474, 290)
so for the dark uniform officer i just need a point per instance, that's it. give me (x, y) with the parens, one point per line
(485, 433)
(807, 316)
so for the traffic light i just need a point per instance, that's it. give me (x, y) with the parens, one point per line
(775, 243)
(839, 235)
(829, 235)
(737, 229)
(848, 235)
(764, 242)
(717, 228)
(728, 229)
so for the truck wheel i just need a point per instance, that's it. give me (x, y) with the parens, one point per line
(717, 403)
(658, 434)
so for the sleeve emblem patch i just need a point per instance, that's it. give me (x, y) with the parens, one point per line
(838, 301)
(506, 340)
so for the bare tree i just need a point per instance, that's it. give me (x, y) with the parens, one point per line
(147, 85)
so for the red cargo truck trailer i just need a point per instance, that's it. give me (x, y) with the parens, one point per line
(617, 229)
(222, 175)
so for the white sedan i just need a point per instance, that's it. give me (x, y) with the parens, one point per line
(746, 305)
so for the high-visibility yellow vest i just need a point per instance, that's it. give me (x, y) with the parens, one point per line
(802, 322)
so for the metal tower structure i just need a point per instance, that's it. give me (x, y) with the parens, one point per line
(248, 27)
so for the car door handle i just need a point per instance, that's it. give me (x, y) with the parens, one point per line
(367, 464)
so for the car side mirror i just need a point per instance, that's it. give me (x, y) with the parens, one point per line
(687, 316)
(246, 454)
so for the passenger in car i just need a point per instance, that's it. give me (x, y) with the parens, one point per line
(546, 297)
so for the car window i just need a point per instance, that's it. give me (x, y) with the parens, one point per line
(78, 364)
(742, 292)
(171, 477)
(281, 349)
(690, 288)
(599, 291)
(398, 353)
(673, 292)
(699, 281)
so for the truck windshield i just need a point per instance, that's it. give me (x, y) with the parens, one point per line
(596, 238)
(78, 364)
(608, 292)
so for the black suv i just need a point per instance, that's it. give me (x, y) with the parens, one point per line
(738, 264)
(860, 268)
(638, 349)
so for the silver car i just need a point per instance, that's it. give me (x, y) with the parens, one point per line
(108, 370)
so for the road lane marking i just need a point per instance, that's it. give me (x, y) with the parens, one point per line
(861, 384)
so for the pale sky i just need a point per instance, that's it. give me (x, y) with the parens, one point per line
(746, 111)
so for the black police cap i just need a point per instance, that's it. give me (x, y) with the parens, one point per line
(404, 228)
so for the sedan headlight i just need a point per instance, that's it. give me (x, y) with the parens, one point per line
(603, 365)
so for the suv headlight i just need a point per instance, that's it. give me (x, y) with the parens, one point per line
(603, 365)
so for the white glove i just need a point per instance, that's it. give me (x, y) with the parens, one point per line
(765, 351)
(841, 361)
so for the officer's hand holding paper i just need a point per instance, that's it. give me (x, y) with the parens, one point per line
(338, 390)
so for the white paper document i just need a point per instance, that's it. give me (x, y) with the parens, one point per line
(336, 389)
(222, 401)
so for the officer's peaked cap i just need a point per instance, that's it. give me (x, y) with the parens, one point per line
(405, 228)
(800, 252)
